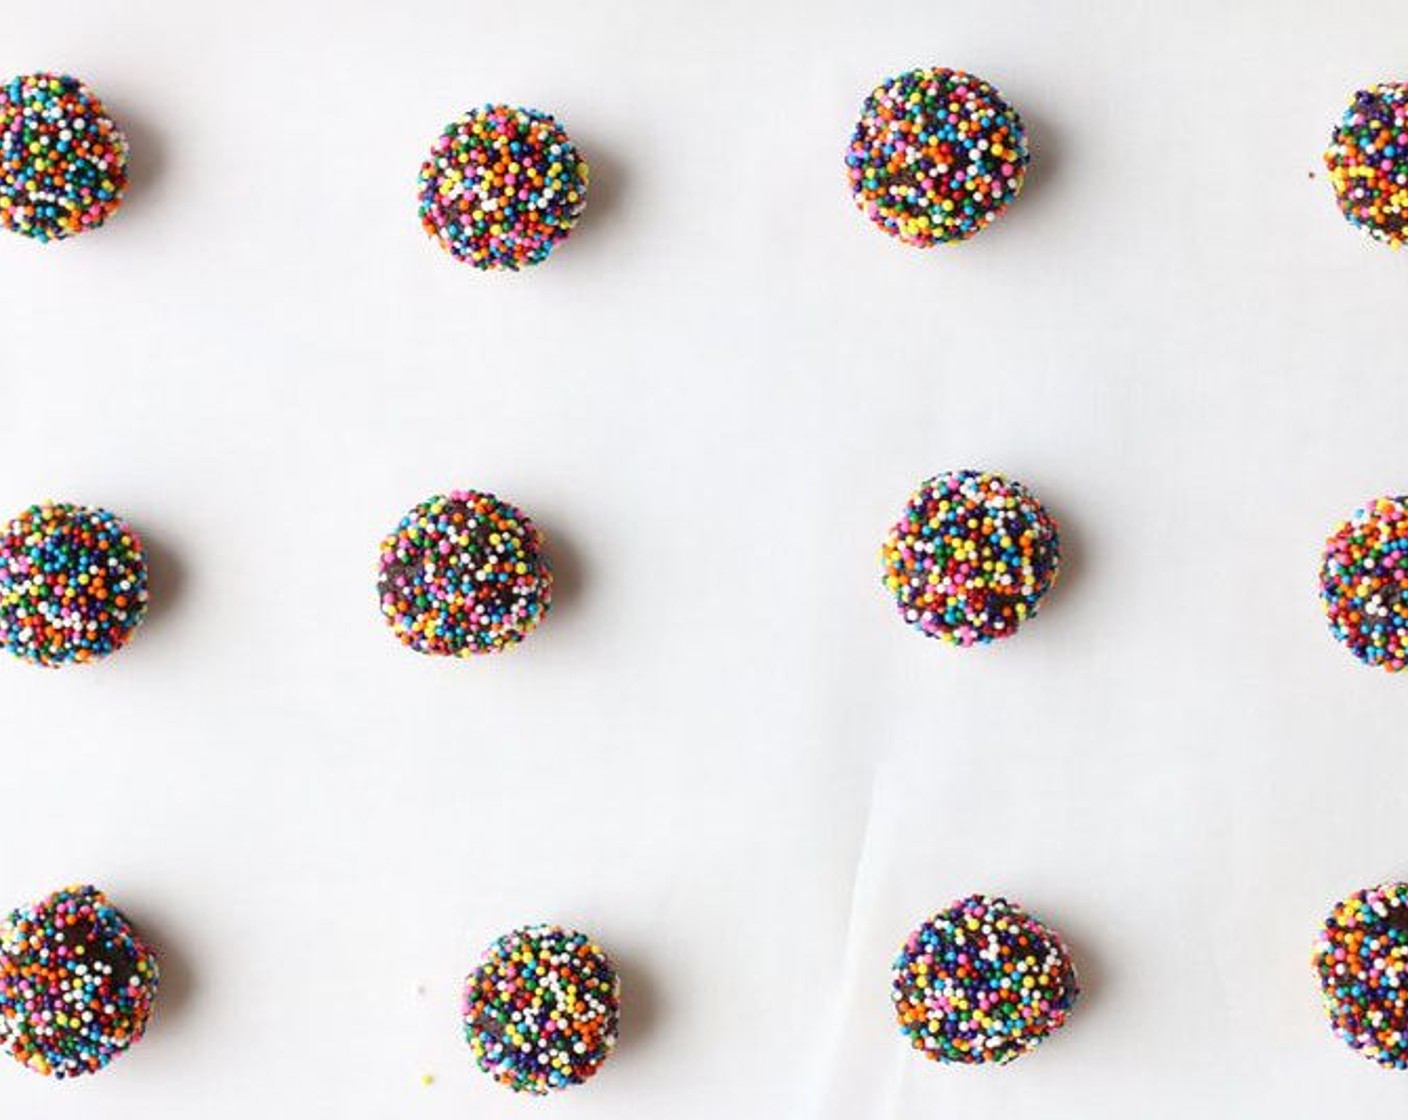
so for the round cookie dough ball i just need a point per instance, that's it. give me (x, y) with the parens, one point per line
(1368, 162)
(936, 156)
(501, 187)
(464, 573)
(76, 983)
(971, 557)
(1361, 958)
(1364, 583)
(542, 1010)
(982, 982)
(63, 162)
(73, 584)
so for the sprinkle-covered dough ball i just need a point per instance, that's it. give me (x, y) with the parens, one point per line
(63, 162)
(76, 983)
(542, 1010)
(936, 156)
(73, 584)
(1361, 958)
(1368, 162)
(982, 981)
(1364, 583)
(464, 573)
(501, 187)
(971, 557)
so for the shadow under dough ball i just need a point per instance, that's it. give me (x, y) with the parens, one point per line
(1361, 959)
(542, 1010)
(464, 573)
(73, 584)
(63, 161)
(936, 156)
(971, 557)
(982, 981)
(1368, 162)
(76, 983)
(501, 188)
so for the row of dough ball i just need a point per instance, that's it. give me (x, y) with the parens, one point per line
(981, 982)
(935, 157)
(971, 558)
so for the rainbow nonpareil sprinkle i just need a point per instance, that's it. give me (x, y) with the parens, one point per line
(63, 162)
(982, 981)
(464, 573)
(1368, 162)
(541, 1012)
(936, 156)
(76, 983)
(971, 557)
(73, 584)
(502, 186)
(1361, 959)
(1364, 583)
